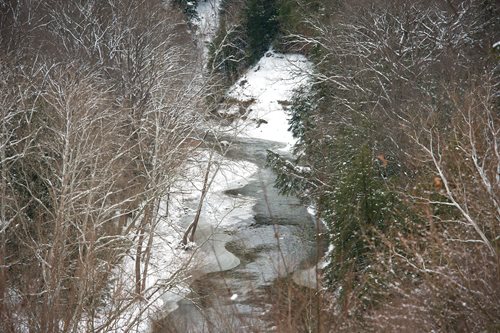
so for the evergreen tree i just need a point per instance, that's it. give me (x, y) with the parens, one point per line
(291, 179)
(300, 111)
(261, 25)
(358, 212)
(189, 7)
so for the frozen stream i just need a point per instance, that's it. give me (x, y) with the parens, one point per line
(268, 235)
(277, 240)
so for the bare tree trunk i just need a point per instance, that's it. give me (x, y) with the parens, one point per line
(3, 219)
(138, 255)
(148, 212)
(190, 231)
(149, 246)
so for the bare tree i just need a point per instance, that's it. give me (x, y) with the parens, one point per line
(94, 128)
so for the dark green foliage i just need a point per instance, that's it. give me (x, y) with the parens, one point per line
(189, 7)
(348, 184)
(291, 179)
(291, 14)
(289, 18)
(358, 212)
(240, 44)
(301, 110)
(261, 26)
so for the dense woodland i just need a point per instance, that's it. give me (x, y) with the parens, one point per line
(399, 146)
(398, 149)
(100, 108)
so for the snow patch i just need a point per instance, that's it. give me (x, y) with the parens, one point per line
(271, 83)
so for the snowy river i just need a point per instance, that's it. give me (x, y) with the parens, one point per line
(276, 241)
(264, 237)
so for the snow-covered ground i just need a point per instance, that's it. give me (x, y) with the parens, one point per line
(271, 82)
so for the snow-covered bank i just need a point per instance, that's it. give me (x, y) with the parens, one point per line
(170, 267)
(271, 84)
